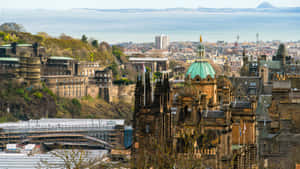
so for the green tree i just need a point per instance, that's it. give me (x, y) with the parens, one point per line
(95, 43)
(84, 39)
(12, 27)
(117, 52)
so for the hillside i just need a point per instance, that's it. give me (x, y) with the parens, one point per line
(63, 46)
(265, 5)
(17, 102)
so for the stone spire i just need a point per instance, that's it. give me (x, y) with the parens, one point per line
(201, 49)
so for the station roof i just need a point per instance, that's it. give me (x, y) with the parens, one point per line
(60, 58)
(61, 124)
(9, 59)
(18, 45)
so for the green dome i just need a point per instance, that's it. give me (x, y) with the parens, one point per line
(201, 68)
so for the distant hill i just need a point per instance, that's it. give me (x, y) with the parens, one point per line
(265, 5)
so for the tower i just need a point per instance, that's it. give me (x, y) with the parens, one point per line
(201, 49)
(257, 44)
(282, 54)
(202, 76)
(151, 121)
(162, 42)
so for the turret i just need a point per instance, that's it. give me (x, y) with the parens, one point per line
(14, 48)
(35, 47)
(282, 54)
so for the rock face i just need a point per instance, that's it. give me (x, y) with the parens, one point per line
(265, 5)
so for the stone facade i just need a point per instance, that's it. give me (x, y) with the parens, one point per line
(198, 121)
(65, 76)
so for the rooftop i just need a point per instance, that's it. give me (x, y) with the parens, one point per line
(9, 59)
(271, 64)
(61, 124)
(202, 69)
(60, 58)
(241, 104)
(147, 59)
(215, 114)
(18, 45)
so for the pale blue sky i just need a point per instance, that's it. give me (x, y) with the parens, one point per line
(117, 4)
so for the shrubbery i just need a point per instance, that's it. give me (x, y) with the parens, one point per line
(123, 81)
(38, 95)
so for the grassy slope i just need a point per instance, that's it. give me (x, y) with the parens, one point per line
(26, 104)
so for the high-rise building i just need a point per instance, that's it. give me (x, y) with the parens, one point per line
(161, 42)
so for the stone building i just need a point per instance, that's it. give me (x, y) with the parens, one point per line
(246, 87)
(16, 50)
(103, 79)
(198, 119)
(58, 65)
(9, 67)
(278, 123)
(65, 76)
(22, 60)
(70, 86)
(155, 64)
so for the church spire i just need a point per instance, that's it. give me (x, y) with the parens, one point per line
(201, 49)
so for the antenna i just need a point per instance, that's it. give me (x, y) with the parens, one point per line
(257, 43)
(237, 40)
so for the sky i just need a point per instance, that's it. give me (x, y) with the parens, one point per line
(158, 4)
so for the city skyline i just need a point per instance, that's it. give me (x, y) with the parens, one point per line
(118, 4)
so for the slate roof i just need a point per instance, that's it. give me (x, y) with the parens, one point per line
(271, 64)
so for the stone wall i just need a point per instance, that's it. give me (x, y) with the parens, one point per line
(122, 93)
(93, 91)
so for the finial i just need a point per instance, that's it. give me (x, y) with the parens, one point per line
(200, 38)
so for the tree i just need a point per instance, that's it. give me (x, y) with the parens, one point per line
(159, 154)
(84, 39)
(95, 43)
(12, 27)
(117, 51)
(43, 34)
(77, 159)
(65, 37)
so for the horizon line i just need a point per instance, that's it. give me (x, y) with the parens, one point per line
(168, 8)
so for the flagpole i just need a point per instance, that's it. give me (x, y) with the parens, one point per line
(240, 161)
(144, 70)
(240, 134)
(152, 89)
(244, 132)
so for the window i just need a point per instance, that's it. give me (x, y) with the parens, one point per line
(147, 128)
(252, 83)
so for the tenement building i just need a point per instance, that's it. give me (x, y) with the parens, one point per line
(274, 86)
(197, 124)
